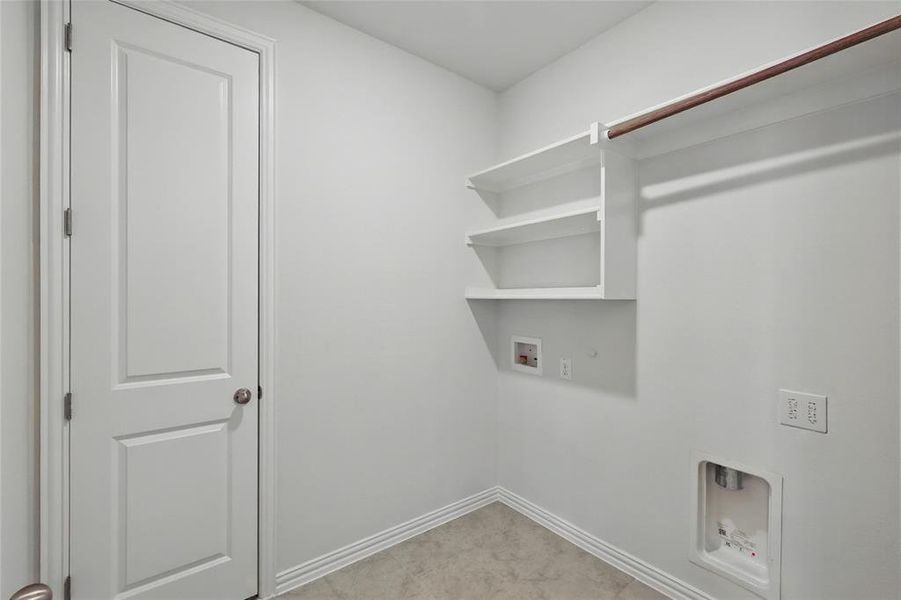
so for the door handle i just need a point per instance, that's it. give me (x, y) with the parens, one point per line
(35, 591)
(242, 396)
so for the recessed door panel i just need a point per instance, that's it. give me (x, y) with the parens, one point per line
(173, 169)
(164, 287)
(172, 519)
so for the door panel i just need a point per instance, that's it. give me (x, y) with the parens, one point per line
(172, 518)
(181, 218)
(164, 310)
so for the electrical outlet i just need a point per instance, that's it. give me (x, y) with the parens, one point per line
(806, 411)
(566, 368)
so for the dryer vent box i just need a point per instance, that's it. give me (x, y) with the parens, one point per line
(526, 354)
(737, 523)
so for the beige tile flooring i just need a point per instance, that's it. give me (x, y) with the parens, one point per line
(493, 553)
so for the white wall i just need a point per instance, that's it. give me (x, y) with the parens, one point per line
(752, 276)
(386, 406)
(18, 294)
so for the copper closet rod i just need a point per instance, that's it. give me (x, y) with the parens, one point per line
(725, 89)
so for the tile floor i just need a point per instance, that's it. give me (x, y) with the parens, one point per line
(493, 553)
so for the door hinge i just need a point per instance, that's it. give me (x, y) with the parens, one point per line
(259, 392)
(67, 406)
(67, 222)
(68, 36)
(67, 588)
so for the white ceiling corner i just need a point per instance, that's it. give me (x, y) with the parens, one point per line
(495, 44)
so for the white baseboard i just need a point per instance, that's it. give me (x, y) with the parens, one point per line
(327, 563)
(648, 574)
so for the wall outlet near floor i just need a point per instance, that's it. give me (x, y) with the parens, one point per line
(566, 368)
(803, 410)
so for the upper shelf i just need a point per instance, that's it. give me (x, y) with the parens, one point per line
(569, 293)
(859, 66)
(571, 154)
(532, 228)
(869, 69)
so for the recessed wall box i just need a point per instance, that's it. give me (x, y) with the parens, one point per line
(737, 524)
(526, 354)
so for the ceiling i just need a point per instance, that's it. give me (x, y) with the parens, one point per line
(492, 43)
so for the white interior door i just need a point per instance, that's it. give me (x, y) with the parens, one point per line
(164, 286)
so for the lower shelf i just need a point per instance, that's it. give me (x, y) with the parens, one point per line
(564, 293)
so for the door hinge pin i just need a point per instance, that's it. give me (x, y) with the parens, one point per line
(67, 588)
(67, 406)
(68, 36)
(259, 392)
(67, 222)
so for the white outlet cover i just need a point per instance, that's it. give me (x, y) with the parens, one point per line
(803, 410)
(566, 368)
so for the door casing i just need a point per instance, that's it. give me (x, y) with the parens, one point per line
(54, 279)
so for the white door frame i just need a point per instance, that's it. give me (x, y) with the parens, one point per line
(54, 252)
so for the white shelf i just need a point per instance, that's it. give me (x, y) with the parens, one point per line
(571, 154)
(865, 71)
(612, 216)
(570, 293)
(533, 228)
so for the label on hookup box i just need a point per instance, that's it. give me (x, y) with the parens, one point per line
(737, 540)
